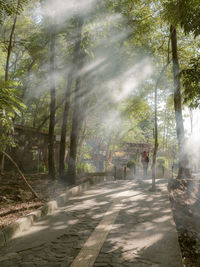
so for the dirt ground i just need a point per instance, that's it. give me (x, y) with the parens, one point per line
(185, 202)
(17, 201)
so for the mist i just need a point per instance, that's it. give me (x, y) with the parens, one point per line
(111, 73)
(116, 70)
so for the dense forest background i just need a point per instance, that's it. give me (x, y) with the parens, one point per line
(79, 79)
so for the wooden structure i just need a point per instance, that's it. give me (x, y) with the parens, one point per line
(31, 150)
(135, 148)
(131, 151)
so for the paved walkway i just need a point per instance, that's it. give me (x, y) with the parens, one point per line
(113, 224)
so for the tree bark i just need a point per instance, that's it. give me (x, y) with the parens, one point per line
(64, 127)
(184, 170)
(71, 174)
(10, 44)
(155, 137)
(48, 116)
(66, 110)
(51, 162)
(156, 126)
(76, 116)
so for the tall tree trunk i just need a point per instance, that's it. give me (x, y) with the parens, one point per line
(71, 174)
(64, 125)
(183, 157)
(156, 126)
(83, 121)
(51, 161)
(48, 116)
(164, 131)
(10, 44)
(66, 110)
(76, 116)
(155, 137)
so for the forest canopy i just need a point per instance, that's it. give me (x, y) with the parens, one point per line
(96, 75)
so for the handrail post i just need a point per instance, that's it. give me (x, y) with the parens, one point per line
(124, 173)
(115, 172)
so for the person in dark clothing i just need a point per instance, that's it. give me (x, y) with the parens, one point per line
(145, 162)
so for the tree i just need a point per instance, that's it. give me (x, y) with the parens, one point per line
(10, 44)
(191, 83)
(187, 15)
(76, 119)
(116, 96)
(10, 105)
(51, 160)
(6, 118)
(183, 157)
(156, 125)
(76, 54)
(11, 7)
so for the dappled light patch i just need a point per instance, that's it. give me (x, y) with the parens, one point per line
(128, 221)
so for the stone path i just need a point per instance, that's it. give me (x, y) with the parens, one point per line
(114, 224)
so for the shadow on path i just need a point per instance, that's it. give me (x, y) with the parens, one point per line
(143, 234)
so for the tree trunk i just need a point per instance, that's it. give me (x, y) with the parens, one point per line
(156, 126)
(71, 174)
(10, 44)
(183, 157)
(66, 110)
(165, 130)
(155, 139)
(48, 116)
(64, 126)
(76, 116)
(51, 163)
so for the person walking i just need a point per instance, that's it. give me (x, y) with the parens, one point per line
(145, 162)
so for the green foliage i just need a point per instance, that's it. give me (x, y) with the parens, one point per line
(116, 38)
(185, 12)
(10, 7)
(10, 106)
(139, 114)
(35, 45)
(9, 101)
(191, 83)
(84, 167)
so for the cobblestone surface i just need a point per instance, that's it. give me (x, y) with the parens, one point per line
(142, 235)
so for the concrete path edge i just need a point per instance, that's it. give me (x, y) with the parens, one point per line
(24, 223)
